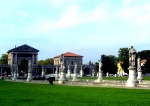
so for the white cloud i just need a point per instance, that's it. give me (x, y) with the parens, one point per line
(126, 2)
(57, 2)
(73, 16)
(136, 15)
(69, 18)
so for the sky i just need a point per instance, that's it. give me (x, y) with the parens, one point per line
(89, 28)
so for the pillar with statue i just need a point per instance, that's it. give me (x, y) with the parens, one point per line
(100, 73)
(132, 79)
(29, 78)
(139, 71)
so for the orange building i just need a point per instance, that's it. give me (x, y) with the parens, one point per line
(69, 59)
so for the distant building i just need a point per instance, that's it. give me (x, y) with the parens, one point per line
(143, 62)
(69, 58)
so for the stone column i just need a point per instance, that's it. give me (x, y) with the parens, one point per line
(139, 70)
(43, 71)
(32, 58)
(56, 72)
(81, 72)
(100, 73)
(29, 78)
(62, 78)
(12, 59)
(75, 77)
(69, 72)
(36, 58)
(132, 79)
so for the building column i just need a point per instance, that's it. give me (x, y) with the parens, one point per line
(36, 58)
(12, 59)
(32, 58)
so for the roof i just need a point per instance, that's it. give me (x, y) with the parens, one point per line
(69, 54)
(23, 48)
(143, 61)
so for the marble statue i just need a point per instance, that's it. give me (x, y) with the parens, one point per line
(132, 56)
(139, 70)
(132, 79)
(100, 73)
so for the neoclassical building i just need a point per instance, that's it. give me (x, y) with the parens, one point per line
(23, 52)
(26, 54)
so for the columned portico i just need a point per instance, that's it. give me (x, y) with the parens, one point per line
(20, 53)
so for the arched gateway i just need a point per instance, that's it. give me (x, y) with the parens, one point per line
(23, 53)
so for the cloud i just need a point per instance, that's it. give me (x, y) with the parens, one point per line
(127, 2)
(57, 2)
(69, 18)
(138, 15)
(74, 16)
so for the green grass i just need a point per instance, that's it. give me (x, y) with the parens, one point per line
(27, 94)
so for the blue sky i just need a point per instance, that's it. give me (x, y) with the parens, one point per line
(86, 27)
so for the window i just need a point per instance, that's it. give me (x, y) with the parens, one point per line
(72, 62)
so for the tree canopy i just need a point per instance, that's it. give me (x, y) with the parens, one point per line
(4, 59)
(48, 61)
(123, 55)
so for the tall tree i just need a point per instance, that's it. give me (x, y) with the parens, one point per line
(4, 59)
(123, 55)
(109, 64)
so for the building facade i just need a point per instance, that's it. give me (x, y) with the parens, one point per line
(69, 59)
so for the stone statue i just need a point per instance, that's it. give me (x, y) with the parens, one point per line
(132, 56)
(139, 63)
(120, 69)
(100, 65)
(29, 64)
(75, 67)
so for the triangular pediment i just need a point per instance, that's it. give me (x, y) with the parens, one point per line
(23, 48)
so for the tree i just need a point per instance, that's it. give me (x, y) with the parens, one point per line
(48, 61)
(109, 64)
(145, 54)
(123, 55)
(4, 59)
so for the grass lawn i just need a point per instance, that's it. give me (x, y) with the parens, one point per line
(27, 94)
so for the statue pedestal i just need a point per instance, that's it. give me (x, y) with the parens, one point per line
(75, 78)
(14, 76)
(140, 77)
(29, 78)
(62, 78)
(69, 74)
(81, 73)
(132, 80)
(100, 77)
